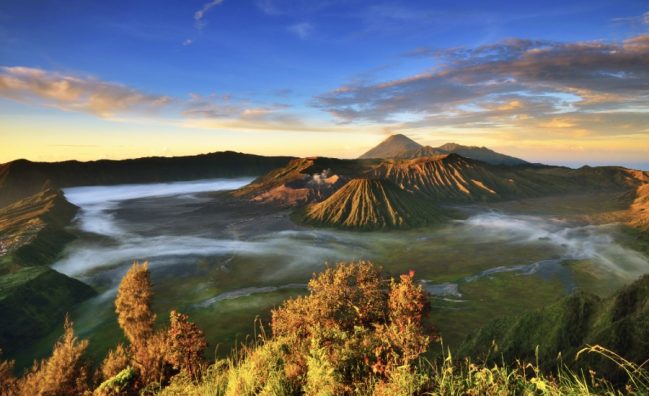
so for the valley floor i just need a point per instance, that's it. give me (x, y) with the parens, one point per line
(225, 262)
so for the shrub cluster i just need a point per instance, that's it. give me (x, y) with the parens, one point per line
(356, 332)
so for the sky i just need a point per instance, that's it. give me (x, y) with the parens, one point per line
(558, 82)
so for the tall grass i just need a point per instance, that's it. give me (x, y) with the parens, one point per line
(258, 370)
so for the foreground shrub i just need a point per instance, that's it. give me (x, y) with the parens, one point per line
(64, 373)
(186, 344)
(119, 384)
(260, 372)
(116, 361)
(133, 304)
(353, 325)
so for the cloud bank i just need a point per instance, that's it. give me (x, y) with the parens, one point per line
(74, 93)
(583, 87)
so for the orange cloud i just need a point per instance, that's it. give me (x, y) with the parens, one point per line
(73, 93)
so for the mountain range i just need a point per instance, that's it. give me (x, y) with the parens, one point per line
(402, 147)
(432, 178)
(398, 184)
(22, 178)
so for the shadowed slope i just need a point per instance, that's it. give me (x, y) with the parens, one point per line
(471, 152)
(619, 322)
(425, 151)
(372, 204)
(33, 301)
(33, 297)
(481, 154)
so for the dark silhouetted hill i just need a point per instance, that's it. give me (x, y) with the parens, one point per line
(21, 178)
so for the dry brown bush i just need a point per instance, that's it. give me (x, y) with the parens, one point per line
(64, 373)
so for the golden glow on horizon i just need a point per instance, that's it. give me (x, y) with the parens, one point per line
(42, 140)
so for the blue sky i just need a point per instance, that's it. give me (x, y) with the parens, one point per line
(128, 78)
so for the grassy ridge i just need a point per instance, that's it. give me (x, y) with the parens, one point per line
(33, 297)
(33, 300)
(32, 230)
(619, 323)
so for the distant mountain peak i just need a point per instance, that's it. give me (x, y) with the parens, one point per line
(392, 147)
(400, 146)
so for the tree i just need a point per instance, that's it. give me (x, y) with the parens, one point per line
(133, 304)
(64, 373)
(186, 344)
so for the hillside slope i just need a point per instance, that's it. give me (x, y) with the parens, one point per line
(22, 178)
(33, 297)
(33, 301)
(454, 179)
(639, 210)
(481, 154)
(372, 204)
(425, 151)
(471, 152)
(32, 230)
(619, 323)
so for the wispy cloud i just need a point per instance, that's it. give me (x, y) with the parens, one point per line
(303, 29)
(200, 14)
(634, 20)
(294, 7)
(224, 111)
(199, 19)
(581, 87)
(75, 93)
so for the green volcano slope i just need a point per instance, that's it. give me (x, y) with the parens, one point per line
(619, 323)
(34, 301)
(32, 230)
(369, 204)
(33, 297)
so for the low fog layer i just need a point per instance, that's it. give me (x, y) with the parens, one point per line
(592, 242)
(589, 242)
(96, 201)
(303, 249)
